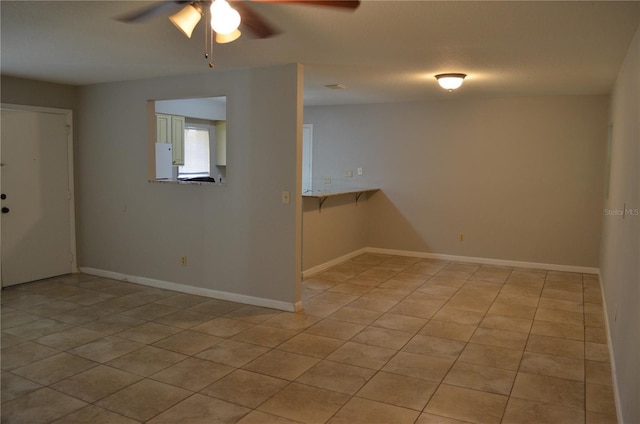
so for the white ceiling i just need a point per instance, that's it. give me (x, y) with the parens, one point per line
(384, 51)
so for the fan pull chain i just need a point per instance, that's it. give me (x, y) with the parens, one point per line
(211, 65)
(208, 37)
(207, 28)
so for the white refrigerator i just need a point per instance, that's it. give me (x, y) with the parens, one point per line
(164, 161)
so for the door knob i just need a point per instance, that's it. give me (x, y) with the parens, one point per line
(5, 210)
(3, 196)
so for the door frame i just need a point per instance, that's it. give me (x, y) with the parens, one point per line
(72, 211)
(307, 185)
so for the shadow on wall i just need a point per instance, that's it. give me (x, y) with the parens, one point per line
(337, 229)
(389, 229)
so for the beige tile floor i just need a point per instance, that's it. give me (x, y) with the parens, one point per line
(383, 339)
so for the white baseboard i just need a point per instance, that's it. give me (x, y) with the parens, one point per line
(612, 359)
(322, 267)
(199, 291)
(486, 261)
(297, 306)
(453, 258)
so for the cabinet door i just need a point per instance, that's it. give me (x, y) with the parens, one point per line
(221, 143)
(177, 139)
(163, 128)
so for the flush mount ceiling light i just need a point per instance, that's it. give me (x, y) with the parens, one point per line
(450, 81)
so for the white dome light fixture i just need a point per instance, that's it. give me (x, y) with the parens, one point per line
(450, 81)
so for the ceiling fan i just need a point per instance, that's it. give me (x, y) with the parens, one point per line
(223, 18)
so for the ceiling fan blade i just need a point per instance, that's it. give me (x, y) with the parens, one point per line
(340, 4)
(159, 8)
(253, 21)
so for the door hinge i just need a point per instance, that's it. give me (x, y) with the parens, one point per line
(68, 128)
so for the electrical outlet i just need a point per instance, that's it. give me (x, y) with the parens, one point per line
(327, 180)
(360, 172)
(183, 260)
(461, 237)
(348, 173)
(285, 197)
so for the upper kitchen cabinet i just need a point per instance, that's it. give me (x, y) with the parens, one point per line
(170, 129)
(221, 143)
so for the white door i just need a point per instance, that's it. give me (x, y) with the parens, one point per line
(36, 224)
(307, 158)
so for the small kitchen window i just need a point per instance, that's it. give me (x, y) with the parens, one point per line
(196, 153)
(188, 140)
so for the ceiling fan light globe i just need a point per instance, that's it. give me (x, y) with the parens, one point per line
(227, 38)
(186, 19)
(224, 18)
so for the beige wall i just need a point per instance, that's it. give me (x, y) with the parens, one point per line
(338, 229)
(38, 93)
(620, 260)
(238, 238)
(520, 177)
